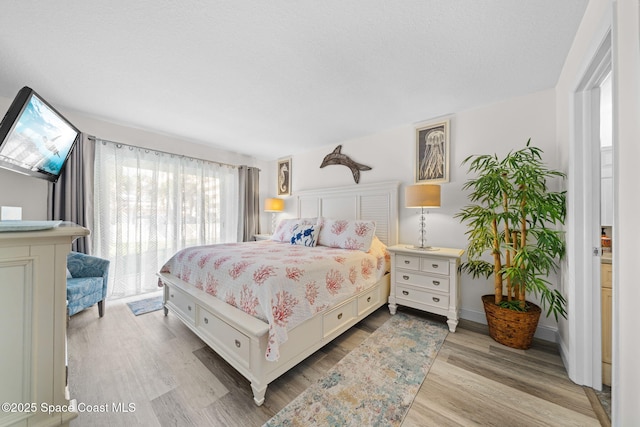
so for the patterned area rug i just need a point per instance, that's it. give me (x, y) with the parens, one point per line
(375, 384)
(146, 305)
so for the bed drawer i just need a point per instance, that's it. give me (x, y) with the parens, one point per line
(183, 303)
(339, 316)
(423, 280)
(422, 296)
(234, 342)
(368, 300)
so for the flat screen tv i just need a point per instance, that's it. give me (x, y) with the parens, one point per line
(35, 139)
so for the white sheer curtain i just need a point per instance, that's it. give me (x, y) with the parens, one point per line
(149, 204)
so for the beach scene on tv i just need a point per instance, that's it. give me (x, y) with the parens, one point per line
(40, 140)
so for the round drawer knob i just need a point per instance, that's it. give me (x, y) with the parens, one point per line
(206, 321)
(436, 299)
(369, 299)
(436, 282)
(340, 316)
(238, 343)
(405, 277)
(434, 265)
(189, 307)
(405, 292)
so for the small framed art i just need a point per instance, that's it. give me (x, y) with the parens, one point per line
(284, 177)
(432, 153)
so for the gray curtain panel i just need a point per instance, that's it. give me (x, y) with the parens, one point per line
(71, 198)
(249, 206)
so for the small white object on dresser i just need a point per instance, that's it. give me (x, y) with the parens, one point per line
(427, 280)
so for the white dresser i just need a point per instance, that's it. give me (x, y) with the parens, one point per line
(426, 280)
(33, 385)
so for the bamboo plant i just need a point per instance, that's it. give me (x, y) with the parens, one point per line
(513, 219)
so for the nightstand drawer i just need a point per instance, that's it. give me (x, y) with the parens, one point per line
(408, 262)
(435, 265)
(423, 280)
(421, 296)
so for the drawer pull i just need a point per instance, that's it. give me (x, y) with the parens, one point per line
(405, 292)
(405, 277)
(436, 299)
(172, 296)
(369, 299)
(206, 321)
(189, 307)
(436, 282)
(340, 316)
(434, 265)
(406, 261)
(238, 343)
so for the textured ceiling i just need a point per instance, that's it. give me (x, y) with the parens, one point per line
(272, 78)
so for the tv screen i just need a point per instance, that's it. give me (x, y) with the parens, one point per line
(36, 140)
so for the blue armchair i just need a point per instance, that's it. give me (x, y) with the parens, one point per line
(88, 282)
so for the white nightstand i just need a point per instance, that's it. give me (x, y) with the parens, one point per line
(262, 236)
(426, 280)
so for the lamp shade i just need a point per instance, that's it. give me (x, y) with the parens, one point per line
(273, 205)
(422, 196)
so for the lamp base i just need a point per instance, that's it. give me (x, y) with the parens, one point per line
(422, 248)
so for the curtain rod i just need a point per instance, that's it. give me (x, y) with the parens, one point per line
(95, 138)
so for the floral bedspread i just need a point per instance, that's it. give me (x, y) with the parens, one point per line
(279, 283)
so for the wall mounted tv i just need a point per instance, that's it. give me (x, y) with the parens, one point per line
(35, 139)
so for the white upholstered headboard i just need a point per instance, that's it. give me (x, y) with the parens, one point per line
(377, 202)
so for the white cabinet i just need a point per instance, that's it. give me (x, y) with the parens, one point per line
(33, 317)
(426, 280)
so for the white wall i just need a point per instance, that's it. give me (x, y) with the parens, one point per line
(31, 193)
(495, 128)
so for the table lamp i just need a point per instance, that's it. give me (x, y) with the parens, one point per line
(423, 196)
(273, 205)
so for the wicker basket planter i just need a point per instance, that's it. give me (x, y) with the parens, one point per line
(514, 329)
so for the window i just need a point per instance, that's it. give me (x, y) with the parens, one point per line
(149, 204)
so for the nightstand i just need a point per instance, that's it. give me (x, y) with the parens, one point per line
(262, 236)
(426, 280)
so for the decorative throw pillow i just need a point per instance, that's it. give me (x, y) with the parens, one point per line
(285, 228)
(306, 235)
(69, 276)
(347, 234)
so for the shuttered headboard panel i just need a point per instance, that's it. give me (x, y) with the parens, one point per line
(377, 202)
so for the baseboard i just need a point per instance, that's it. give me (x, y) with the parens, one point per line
(543, 332)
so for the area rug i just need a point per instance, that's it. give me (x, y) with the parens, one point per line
(375, 384)
(146, 305)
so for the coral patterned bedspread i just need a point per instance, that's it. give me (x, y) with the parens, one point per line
(279, 283)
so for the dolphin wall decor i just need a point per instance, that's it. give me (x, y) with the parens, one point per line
(337, 158)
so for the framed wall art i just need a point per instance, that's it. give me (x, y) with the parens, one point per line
(284, 177)
(432, 153)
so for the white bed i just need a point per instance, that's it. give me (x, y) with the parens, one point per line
(242, 340)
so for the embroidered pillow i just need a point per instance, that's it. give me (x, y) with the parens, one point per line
(347, 234)
(305, 235)
(285, 228)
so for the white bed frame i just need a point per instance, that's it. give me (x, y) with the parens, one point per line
(242, 339)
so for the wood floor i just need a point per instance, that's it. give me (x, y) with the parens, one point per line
(163, 375)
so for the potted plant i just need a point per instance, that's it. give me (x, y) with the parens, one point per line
(513, 219)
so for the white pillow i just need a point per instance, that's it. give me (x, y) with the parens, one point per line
(347, 234)
(305, 235)
(285, 228)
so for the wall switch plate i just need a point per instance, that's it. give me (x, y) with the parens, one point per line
(10, 213)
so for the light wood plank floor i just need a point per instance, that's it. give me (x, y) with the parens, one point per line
(173, 379)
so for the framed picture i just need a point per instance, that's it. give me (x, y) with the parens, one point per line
(284, 177)
(432, 153)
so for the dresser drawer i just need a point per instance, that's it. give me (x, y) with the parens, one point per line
(435, 265)
(183, 303)
(423, 280)
(339, 316)
(233, 341)
(421, 296)
(408, 262)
